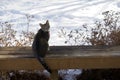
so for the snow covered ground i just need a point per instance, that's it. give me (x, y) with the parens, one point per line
(61, 13)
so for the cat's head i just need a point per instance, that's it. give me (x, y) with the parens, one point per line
(45, 27)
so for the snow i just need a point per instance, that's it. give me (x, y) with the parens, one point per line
(61, 13)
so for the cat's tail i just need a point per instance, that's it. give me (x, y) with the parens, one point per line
(44, 64)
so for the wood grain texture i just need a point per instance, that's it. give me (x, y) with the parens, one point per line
(61, 57)
(61, 63)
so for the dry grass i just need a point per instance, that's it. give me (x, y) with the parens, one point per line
(105, 32)
(8, 37)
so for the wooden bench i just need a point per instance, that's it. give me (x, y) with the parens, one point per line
(61, 57)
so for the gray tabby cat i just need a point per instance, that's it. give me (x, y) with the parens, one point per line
(40, 44)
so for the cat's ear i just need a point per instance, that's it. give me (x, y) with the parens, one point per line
(47, 22)
(41, 25)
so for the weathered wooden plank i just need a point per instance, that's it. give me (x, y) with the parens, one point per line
(61, 57)
(15, 52)
(57, 63)
(58, 48)
(14, 48)
(62, 54)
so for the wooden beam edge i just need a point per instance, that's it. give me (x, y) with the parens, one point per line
(61, 63)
